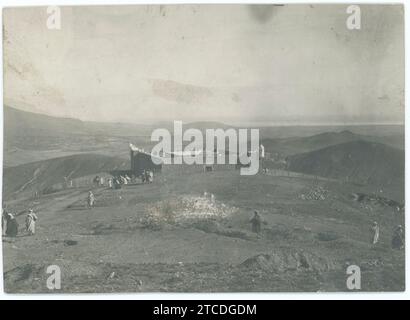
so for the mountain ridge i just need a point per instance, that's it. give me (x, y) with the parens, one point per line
(358, 161)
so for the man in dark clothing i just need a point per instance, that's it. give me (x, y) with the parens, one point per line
(12, 225)
(398, 238)
(256, 222)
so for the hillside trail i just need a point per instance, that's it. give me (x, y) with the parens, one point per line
(49, 206)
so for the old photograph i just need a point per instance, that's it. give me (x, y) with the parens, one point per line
(203, 148)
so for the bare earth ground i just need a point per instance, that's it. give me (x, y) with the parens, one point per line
(168, 236)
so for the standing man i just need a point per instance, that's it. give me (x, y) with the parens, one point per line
(256, 222)
(375, 232)
(398, 238)
(12, 228)
(90, 200)
(31, 222)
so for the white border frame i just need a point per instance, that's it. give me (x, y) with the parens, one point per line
(213, 296)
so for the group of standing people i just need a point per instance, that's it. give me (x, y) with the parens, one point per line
(98, 181)
(147, 176)
(10, 226)
(116, 182)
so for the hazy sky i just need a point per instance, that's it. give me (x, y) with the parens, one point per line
(232, 63)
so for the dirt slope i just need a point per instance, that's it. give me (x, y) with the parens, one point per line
(41, 175)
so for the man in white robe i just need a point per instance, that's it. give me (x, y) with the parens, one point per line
(90, 200)
(31, 222)
(375, 232)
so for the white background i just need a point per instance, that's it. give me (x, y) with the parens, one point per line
(202, 296)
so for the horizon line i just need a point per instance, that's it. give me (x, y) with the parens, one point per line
(238, 123)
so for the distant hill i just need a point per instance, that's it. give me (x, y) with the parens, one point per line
(358, 161)
(41, 175)
(377, 130)
(291, 146)
(17, 122)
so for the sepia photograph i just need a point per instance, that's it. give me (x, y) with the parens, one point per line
(203, 148)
